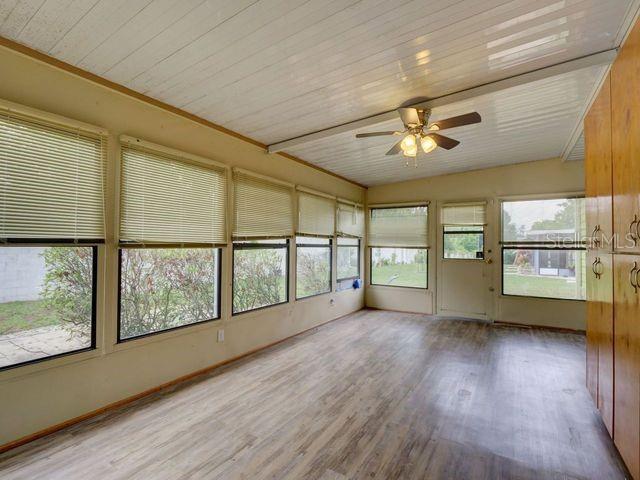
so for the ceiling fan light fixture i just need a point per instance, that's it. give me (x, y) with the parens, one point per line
(410, 151)
(428, 144)
(409, 143)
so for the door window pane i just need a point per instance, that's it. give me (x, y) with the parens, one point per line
(465, 242)
(399, 267)
(46, 302)
(166, 288)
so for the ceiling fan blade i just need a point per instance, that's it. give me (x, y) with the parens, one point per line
(395, 149)
(444, 142)
(459, 121)
(409, 116)
(376, 134)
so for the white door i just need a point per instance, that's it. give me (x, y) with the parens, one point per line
(465, 274)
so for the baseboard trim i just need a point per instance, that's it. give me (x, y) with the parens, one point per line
(72, 421)
(398, 311)
(539, 327)
(496, 323)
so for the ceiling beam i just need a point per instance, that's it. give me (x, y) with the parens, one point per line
(600, 58)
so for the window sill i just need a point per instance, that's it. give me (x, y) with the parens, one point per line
(395, 287)
(134, 342)
(258, 311)
(49, 363)
(507, 296)
(315, 295)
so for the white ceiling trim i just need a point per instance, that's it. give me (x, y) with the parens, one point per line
(574, 149)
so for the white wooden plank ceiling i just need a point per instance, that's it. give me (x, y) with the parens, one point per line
(276, 69)
(519, 124)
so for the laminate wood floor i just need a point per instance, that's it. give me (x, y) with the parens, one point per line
(376, 395)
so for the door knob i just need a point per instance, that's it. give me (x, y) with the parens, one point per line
(488, 261)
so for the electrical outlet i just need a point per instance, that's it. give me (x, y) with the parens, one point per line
(220, 336)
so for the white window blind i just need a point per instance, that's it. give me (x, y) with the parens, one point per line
(469, 214)
(164, 199)
(316, 214)
(350, 221)
(51, 180)
(398, 227)
(262, 208)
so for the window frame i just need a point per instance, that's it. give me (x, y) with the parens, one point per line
(94, 293)
(338, 246)
(240, 245)
(426, 287)
(120, 340)
(315, 245)
(578, 246)
(464, 232)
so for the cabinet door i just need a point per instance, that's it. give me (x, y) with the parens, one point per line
(593, 319)
(603, 274)
(600, 333)
(627, 360)
(598, 168)
(625, 123)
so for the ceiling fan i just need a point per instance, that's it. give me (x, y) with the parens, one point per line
(415, 123)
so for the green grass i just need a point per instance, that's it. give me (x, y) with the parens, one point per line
(538, 286)
(403, 275)
(25, 315)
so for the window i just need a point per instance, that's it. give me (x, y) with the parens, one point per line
(260, 274)
(349, 219)
(263, 211)
(398, 246)
(173, 219)
(51, 221)
(399, 267)
(463, 231)
(398, 226)
(348, 252)
(166, 288)
(47, 302)
(313, 266)
(543, 248)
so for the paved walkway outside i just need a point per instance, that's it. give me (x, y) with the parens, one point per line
(37, 343)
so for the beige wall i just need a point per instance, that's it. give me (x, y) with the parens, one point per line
(533, 178)
(40, 395)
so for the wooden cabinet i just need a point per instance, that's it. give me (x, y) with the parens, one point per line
(625, 123)
(612, 185)
(627, 360)
(598, 169)
(598, 189)
(600, 333)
